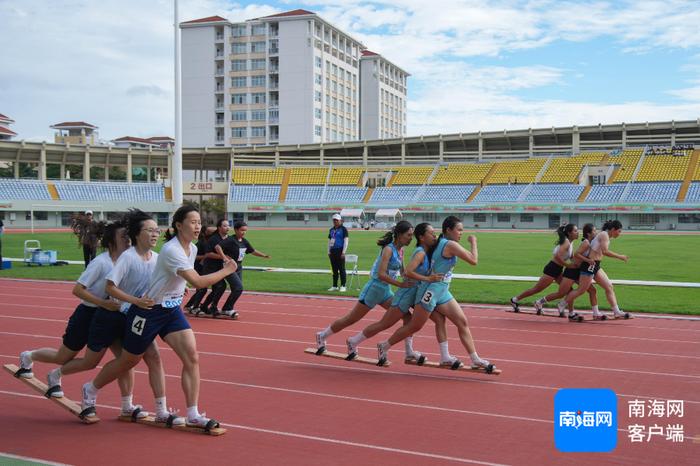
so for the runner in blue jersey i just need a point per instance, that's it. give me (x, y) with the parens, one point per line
(385, 272)
(437, 296)
(418, 271)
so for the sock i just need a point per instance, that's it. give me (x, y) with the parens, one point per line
(475, 357)
(444, 352)
(57, 372)
(616, 309)
(327, 332)
(595, 309)
(357, 339)
(192, 412)
(408, 343)
(91, 390)
(161, 405)
(126, 403)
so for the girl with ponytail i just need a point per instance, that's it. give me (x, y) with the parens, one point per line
(561, 258)
(591, 270)
(385, 272)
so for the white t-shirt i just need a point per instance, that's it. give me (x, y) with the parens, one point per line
(132, 274)
(167, 287)
(95, 276)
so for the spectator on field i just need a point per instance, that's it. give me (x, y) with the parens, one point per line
(337, 245)
(87, 230)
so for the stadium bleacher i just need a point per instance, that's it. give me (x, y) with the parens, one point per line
(567, 169)
(243, 194)
(258, 175)
(400, 195)
(554, 193)
(517, 172)
(349, 194)
(24, 189)
(411, 175)
(602, 193)
(693, 193)
(462, 173)
(131, 192)
(653, 192)
(304, 194)
(445, 194)
(499, 193)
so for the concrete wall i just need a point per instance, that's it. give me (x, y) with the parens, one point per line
(198, 85)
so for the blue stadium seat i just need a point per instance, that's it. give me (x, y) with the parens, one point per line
(348, 194)
(396, 195)
(254, 193)
(653, 192)
(693, 192)
(499, 193)
(446, 194)
(554, 192)
(24, 189)
(307, 194)
(106, 192)
(605, 193)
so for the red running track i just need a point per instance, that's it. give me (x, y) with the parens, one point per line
(282, 406)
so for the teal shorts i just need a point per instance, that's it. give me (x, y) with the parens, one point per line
(405, 298)
(374, 293)
(431, 295)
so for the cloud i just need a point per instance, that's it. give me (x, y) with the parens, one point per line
(136, 91)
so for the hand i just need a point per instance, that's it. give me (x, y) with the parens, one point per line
(471, 239)
(342, 256)
(406, 284)
(624, 258)
(230, 266)
(436, 277)
(145, 302)
(590, 261)
(267, 256)
(111, 305)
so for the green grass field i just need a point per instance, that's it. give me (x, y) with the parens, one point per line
(652, 257)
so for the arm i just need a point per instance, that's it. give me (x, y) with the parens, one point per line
(346, 241)
(219, 254)
(561, 254)
(456, 249)
(414, 264)
(114, 291)
(579, 255)
(81, 292)
(260, 254)
(604, 248)
(205, 281)
(383, 276)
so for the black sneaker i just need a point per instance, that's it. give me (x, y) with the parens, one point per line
(516, 307)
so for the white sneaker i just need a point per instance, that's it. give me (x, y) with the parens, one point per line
(88, 401)
(452, 362)
(169, 417)
(562, 308)
(343, 289)
(382, 353)
(53, 379)
(538, 307)
(202, 421)
(25, 365)
(352, 349)
(141, 414)
(320, 343)
(333, 288)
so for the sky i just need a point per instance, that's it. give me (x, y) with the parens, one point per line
(474, 65)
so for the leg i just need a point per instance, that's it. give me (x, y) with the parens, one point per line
(184, 344)
(114, 368)
(387, 321)
(236, 285)
(196, 298)
(542, 283)
(52, 356)
(217, 290)
(441, 335)
(125, 380)
(334, 266)
(602, 279)
(341, 270)
(156, 373)
(88, 362)
(453, 311)
(86, 254)
(420, 317)
(358, 312)
(584, 282)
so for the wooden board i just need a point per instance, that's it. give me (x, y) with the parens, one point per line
(462, 368)
(331, 354)
(39, 386)
(218, 315)
(534, 313)
(151, 421)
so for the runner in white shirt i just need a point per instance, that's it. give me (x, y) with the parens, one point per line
(162, 315)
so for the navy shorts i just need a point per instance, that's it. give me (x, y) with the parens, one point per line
(107, 327)
(589, 270)
(552, 269)
(143, 325)
(78, 327)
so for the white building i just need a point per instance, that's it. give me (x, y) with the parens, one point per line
(5, 132)
(382, 98)
(290, 78)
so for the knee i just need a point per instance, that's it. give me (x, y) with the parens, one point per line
(152, 358)
(190, 357)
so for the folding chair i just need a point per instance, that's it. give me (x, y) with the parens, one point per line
(351, 259)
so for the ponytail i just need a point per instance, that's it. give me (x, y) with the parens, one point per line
(390, 236)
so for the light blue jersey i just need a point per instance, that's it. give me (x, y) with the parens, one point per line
(405, 298)
(430, 295)
(376, 291)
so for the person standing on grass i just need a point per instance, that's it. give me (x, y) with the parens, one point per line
(337, 245)
(387, 269)
(163, 316)
(213, 262)
(235, 248)
(86, 229)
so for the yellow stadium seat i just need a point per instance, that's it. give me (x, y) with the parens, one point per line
(308, 176)
(346, 176)
(462, 173)
(411, 175)
(567, 169)
(258, 175)
(663, 168)
(517, 171)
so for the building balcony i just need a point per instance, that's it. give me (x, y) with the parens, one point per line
(219, 72)
(274, 86)
(273, 50)
(219, 37)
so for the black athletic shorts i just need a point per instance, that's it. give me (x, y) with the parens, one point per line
(588, 269)
(571, 274)
(552, 269)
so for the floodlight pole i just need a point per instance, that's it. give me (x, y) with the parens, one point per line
(176, 175)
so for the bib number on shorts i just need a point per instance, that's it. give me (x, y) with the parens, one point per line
(591, 268)
(427, 297)
(138, 325)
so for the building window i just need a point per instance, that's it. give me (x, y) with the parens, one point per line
(239, 81)
(238, 99)
(238, 31)
(335, 70)
(238, 132)
(527, 218)
(479, 217)
(503, 218)
(257, 115)
(317, 113)
(256, 217)
(238, 65)
(317, 96)
(258, 30)
(689, 218)
(257, 131)
(257, 98)
(257, 81)
(257, 47)
(318, 79)
(296, 217)
(317, 130)
(238, 115)
(257, 64)
(239, 47)
(318, 61)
